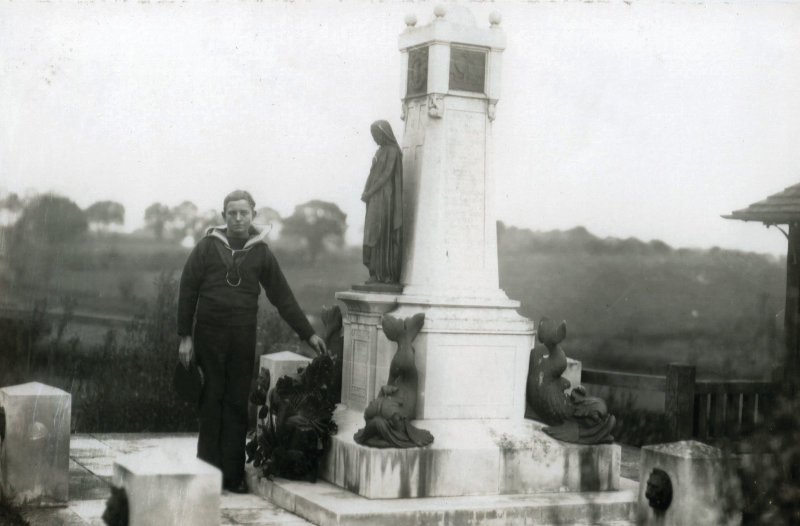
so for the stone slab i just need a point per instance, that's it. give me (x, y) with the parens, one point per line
(698, 478)
(469, 457)
(284, 363)
(169, 488)
(325, 504)
(34, 457)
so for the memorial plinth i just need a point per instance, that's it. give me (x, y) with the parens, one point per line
(469, 457)
(34, 455)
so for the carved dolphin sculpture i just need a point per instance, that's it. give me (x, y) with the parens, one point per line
(574, 417)
(388, 417)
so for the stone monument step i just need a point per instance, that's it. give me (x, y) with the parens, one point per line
(469, 457)
(327, 505)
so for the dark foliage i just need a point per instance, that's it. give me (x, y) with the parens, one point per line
(768, 468)
(10, 515)
(297, 423)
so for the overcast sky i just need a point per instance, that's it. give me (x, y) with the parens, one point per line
(643, 119)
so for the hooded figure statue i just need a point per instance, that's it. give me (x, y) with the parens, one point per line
(383, 194)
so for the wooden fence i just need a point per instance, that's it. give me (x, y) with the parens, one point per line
(700, 409)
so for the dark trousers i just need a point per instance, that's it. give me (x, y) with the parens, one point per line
(226, 355)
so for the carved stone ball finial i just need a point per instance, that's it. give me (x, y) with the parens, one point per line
(411, 20)
(495, 18)
(440, 11)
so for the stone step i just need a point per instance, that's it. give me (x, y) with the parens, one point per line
(468, 457)
(324, 504)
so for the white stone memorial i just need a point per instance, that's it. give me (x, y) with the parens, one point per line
(169, 488)
(473, 350)
(34, 455)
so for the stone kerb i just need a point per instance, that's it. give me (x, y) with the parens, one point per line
(695, 481)
(34, 455)
(169, 489)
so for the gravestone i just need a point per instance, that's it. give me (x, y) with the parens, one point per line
(169, 488)
(34, 453)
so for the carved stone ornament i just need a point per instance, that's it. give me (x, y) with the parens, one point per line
(436, 105)
(573, 417)
(491, 110)
(659, 490)
(117, 512)
(388, 417)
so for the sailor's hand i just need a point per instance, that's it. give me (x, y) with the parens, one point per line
(318, 344)
(186, 351)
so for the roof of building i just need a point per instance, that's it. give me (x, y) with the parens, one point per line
(777, 209)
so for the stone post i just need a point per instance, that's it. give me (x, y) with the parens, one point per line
(34, 453)
(683, 484)
(169, 489)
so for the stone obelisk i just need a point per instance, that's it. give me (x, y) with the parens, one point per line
(472, 353)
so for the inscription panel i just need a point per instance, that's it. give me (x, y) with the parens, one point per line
(465, 206)
(417, 82)
(467, 69)
(358, 373)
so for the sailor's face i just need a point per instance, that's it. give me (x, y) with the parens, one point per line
(238, 217)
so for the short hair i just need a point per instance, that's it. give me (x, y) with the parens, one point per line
(238, 195)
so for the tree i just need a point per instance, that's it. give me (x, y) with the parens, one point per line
(317, 222)
(51, 218)
(103, 214)
(204, 221)
(10, 208)
(41, 235)
(267, 216)
(156, 217)
(182, 220)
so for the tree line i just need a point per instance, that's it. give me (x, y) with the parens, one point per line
(44, 223)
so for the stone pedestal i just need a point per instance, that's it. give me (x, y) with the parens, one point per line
(469, 457)
(284, 363)
(472, 356)
(34, 456)
(169, 489)
(698, 481)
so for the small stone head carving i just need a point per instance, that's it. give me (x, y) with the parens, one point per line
(659, 490)
(116, 512)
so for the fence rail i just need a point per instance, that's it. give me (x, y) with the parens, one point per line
(701, 409)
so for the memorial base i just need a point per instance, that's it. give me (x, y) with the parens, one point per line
(324, 504)
(469, 457)
(471, 354)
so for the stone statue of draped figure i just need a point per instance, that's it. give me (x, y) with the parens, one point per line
(383, 194)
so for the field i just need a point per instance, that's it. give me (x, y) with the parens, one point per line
(631, 307)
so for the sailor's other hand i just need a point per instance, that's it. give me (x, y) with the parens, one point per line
(318, 344)
(186, 351)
